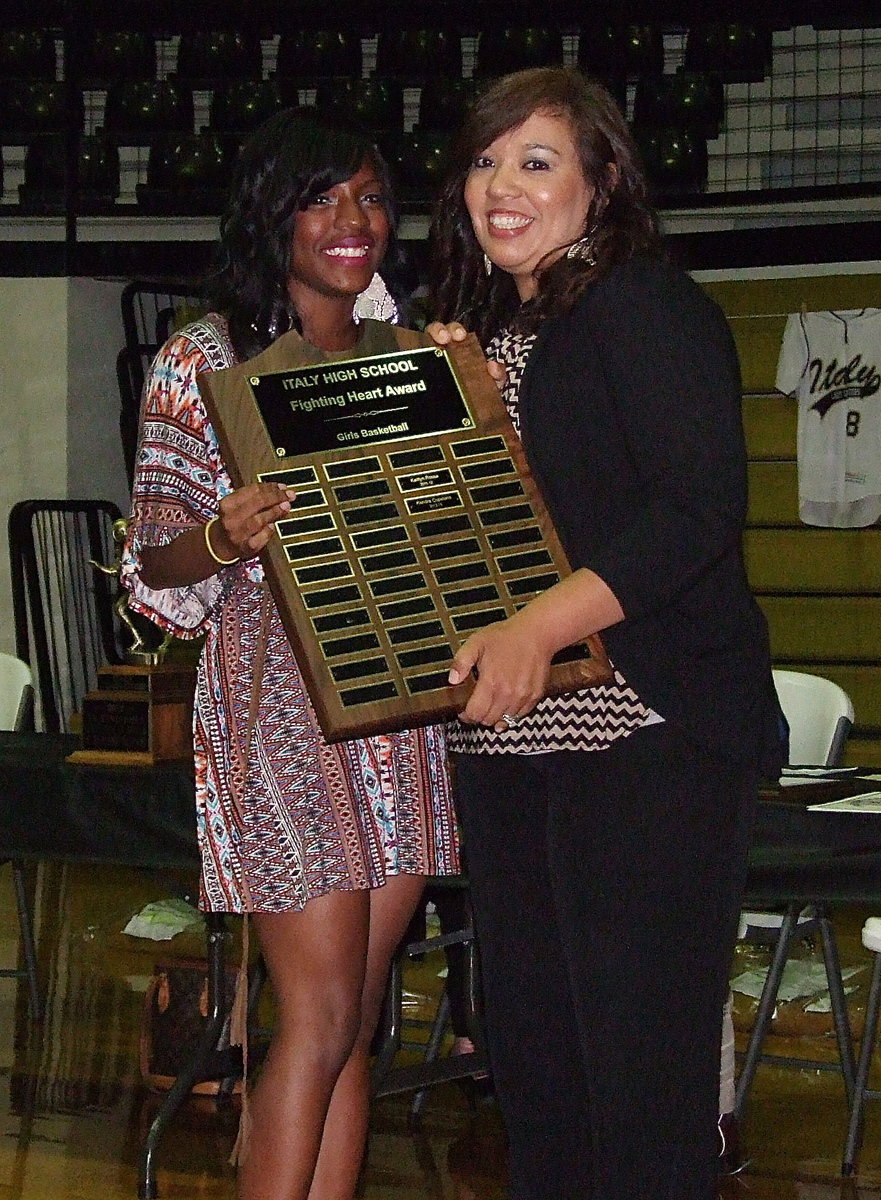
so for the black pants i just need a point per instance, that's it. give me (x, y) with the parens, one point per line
(606, 889)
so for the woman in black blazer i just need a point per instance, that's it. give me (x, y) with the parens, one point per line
(606, 831)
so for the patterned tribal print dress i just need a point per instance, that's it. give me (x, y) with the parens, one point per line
(282, 816)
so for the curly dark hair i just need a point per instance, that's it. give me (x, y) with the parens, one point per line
(620, 220)
(293, 157)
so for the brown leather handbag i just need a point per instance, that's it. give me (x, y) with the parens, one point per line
(175, 1016)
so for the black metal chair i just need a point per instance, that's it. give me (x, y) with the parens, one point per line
(151, 310)
(310, 54)
(138, 109)
(387, 1079)
(431, 1069)
(871, 938)
(737, 52)
(631, 50)
(65, 626)
(419, 54)
(187, 174)
(502, 50)
(45, 188)
(129, 380)
(790, 890)
(17, 713)
(203, 1063)
(101, 56)
(27, 53)
(206, 56)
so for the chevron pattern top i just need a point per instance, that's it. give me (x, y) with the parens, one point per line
(588, 720)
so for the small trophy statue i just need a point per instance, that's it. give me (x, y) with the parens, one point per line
(139, 651)
(141, 712)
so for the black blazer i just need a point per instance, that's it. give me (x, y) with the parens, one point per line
(630, 409)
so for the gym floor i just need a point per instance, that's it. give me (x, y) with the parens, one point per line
(74, 1111)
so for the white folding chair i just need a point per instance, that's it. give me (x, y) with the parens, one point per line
(16, 713)
(16, 693)
(820, 717)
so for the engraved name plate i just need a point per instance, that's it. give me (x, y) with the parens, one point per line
(416, 519)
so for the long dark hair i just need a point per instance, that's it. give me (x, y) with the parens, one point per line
(620, 220)
(293, 157)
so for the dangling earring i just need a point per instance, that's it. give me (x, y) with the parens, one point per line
(584, 249)
(271, 327)
(487, 264)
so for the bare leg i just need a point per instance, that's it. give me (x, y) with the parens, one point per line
(316, 960)
(345, 1130)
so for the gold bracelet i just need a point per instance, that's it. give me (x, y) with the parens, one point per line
(224, 562)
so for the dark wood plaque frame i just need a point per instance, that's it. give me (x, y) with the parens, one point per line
(139, 715)
(250, 454)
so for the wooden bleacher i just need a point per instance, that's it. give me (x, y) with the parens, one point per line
(819, 588)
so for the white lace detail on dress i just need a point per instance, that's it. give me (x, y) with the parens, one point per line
(376, 303)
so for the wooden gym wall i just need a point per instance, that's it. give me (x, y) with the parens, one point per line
(819, 588)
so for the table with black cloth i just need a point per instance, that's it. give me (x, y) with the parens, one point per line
(839, 851)
(144, 817)
(131, 816)
(818, 861)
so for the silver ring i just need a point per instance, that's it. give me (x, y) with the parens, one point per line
(510, 721)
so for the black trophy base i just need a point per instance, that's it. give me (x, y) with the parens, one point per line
(139, 715)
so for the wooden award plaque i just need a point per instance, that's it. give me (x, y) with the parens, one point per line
(416, 519)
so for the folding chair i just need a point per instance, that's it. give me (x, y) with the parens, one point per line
(65, 624)
(388, 1079)
(820, 716)
(151, 311)
(17, 713)
(871, 938)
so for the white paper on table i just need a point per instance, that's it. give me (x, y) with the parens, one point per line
(820, 772)
(793, 776)
(864, 803)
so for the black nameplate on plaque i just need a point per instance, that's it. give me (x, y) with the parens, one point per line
(310, 410)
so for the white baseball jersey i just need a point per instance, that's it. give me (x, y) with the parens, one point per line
(831, 362)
